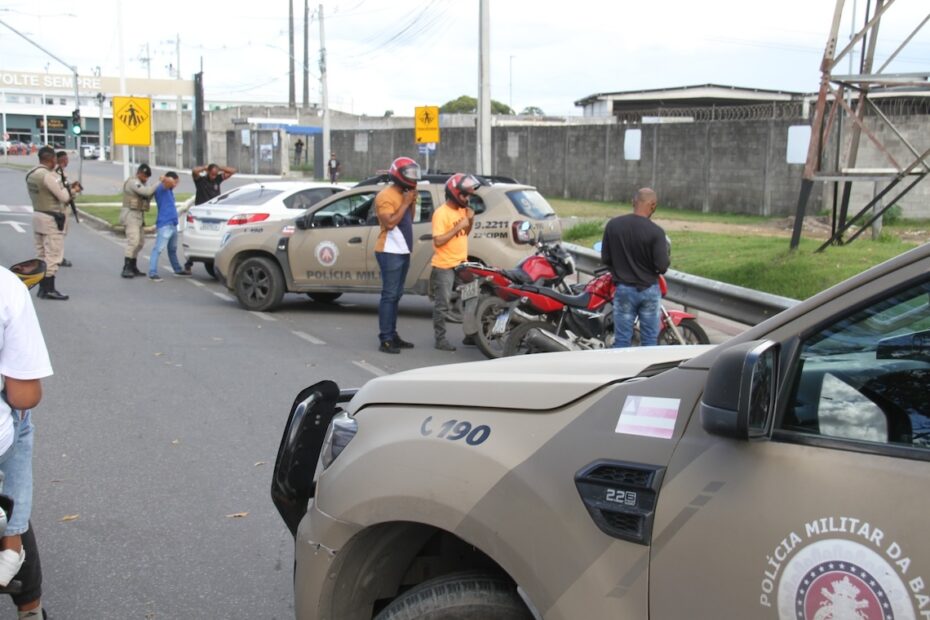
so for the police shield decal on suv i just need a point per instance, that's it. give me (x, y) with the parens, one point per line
(330, 249)
(778, 476)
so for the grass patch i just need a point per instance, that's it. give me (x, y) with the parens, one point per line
(111, 214)
(591, 209)
(766, 264)
(583, 231)
(179, 197)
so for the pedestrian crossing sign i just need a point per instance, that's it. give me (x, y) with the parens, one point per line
(132, 121)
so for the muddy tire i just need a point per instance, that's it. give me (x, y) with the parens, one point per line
(460, 596)
(259, 284)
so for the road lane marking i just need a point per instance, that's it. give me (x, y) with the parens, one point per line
(308, 337)
(224, 296)
(15, 225)
(371, 368)
(197, 283)
(263, 316)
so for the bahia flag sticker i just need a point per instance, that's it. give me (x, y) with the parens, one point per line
(648, 416)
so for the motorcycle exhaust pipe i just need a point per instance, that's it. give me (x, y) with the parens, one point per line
(547, 341)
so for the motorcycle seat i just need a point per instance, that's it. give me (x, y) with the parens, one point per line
(576, 301)
(517, 275)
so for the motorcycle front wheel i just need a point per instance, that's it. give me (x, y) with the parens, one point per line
(690, 331)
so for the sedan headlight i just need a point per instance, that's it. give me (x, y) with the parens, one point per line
(340, 432)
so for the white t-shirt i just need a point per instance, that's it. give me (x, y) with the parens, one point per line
(22, 348)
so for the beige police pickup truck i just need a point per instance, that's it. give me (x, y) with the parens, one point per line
(779, 475)
(329, 249)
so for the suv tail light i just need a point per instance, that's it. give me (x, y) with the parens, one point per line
(247, 218)
(523, 232)
(190, 218)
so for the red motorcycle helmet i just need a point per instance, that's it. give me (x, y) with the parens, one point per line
(405, 172)
(460, 186)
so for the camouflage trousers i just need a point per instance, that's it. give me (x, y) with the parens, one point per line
(49, 242)
(133, 220)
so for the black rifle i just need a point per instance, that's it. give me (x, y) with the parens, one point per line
(67, 185)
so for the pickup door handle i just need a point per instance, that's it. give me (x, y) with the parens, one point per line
(355, 240)
(425, 237)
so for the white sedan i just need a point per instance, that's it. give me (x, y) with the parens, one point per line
(206, 224)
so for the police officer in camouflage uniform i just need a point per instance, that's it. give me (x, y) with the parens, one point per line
(49, 201)
(136, 198)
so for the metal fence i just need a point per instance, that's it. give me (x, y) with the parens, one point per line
(776, 110)
(736, 303)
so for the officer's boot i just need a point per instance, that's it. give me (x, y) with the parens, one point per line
(135, 268)
(51, 293)
(127, 268)
(43, 288)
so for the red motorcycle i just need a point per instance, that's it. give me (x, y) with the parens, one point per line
(482, 305)
(585, 320)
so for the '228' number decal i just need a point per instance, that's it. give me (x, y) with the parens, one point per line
(454, 430)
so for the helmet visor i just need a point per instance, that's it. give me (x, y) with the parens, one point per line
(411, 172)
(469, 184)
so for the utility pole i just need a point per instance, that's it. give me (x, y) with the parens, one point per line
(122, 77)
(148, 67)
(323, 87)
(484, 90)
(179, 130)
(306, 54)
(292, 90)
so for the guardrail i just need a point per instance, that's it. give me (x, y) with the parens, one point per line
(743, 305)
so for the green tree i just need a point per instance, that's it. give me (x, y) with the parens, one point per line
(469, 105)
(388, 113)
(532, 111)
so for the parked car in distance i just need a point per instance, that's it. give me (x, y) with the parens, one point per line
(90, 151)
(206, 224)
(330, 249)
(776, 476)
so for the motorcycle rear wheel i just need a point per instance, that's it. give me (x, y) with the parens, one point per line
(517, 342)
(489, 308)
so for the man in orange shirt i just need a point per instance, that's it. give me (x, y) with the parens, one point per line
(452, 223)
(395, 205)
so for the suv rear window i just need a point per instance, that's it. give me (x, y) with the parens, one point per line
(246, 197)
(531, 204)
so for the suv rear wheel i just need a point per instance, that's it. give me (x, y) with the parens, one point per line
(460, 596)
(259, 284)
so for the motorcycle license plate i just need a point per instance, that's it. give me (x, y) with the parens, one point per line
(470, 290)
(500, 325)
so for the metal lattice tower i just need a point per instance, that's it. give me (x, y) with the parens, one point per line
(902, 175)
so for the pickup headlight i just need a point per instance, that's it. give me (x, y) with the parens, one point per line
(340, 432)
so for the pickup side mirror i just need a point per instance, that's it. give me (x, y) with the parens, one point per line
(739, 397)
(303, 222)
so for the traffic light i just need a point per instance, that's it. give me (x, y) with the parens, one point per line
(76, 122)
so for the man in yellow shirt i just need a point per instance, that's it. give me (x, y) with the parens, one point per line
(452, 223)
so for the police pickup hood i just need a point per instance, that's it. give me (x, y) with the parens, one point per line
(526, 382)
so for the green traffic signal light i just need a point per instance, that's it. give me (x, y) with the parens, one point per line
(76, 122)
(76, 130)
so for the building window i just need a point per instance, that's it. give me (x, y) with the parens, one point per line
(49, 101)
(62, 101)
(12, 98)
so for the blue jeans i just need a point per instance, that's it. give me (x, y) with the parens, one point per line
(630, 303)
(17, 472)
(394, 269)
(165, 236)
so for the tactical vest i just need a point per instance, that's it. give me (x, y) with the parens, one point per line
(42, 199)
(131, 199)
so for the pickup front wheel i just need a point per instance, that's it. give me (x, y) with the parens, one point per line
(259, 284)
(460, 596)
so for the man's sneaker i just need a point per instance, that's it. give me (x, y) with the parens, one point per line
(388, 347)
(184, 273)
(445, 345)
(156, 278)
(402, 344)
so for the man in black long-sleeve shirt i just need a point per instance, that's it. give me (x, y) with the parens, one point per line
(636, 250)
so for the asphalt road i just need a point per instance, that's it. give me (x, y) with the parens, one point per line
(157, 434)
(163, 419)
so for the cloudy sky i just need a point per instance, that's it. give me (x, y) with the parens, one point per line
(397, 54)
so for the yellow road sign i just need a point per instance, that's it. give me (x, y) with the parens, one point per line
(426, 124)
(132, 121)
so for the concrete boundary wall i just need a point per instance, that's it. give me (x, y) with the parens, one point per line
(732, 166)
